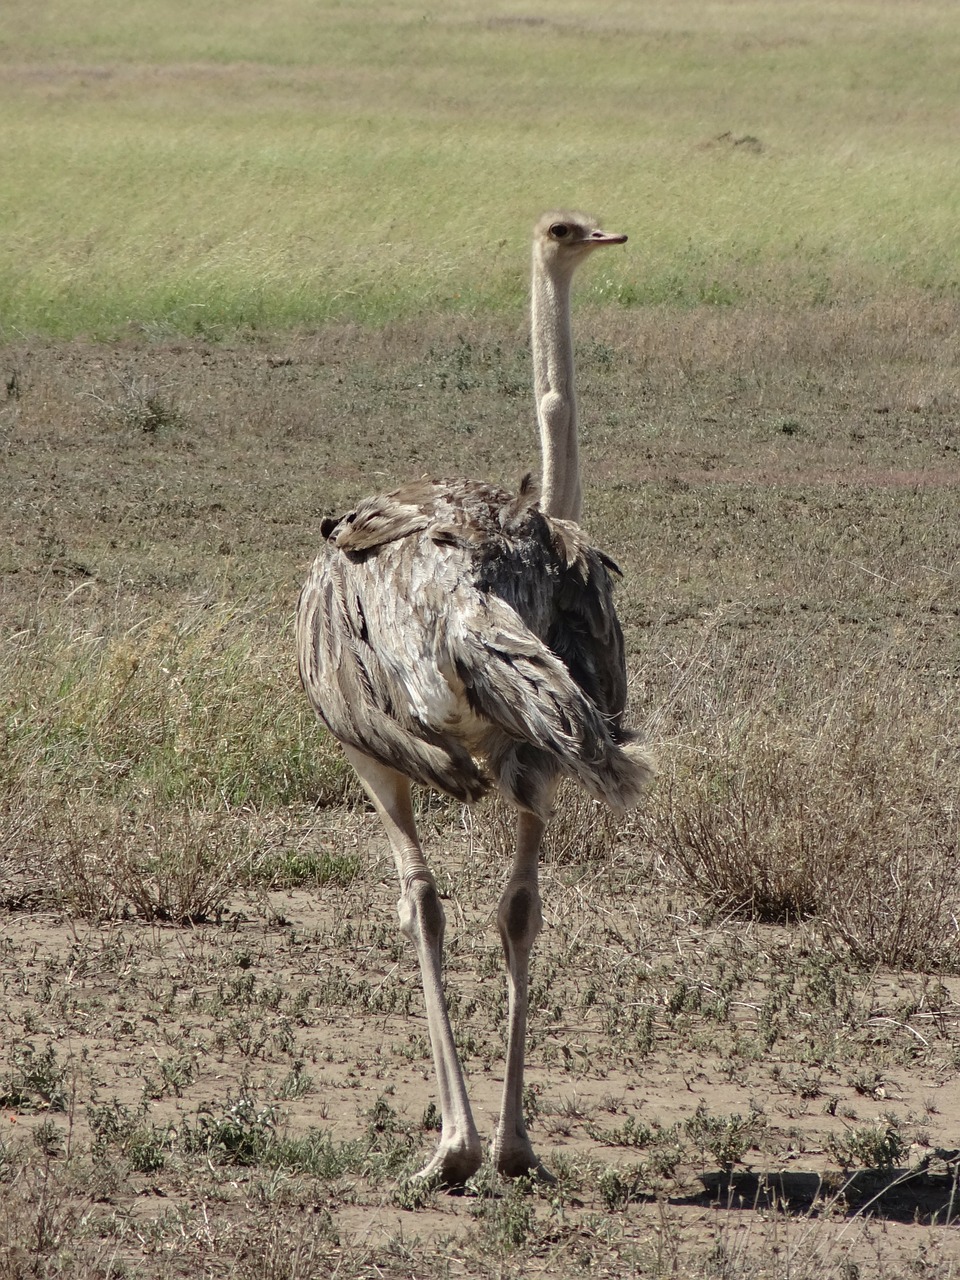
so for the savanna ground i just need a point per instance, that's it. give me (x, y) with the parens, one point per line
(746, 1029)
(299, 239)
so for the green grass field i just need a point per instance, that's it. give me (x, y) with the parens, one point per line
(170, 171)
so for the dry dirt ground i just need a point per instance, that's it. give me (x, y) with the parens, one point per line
(247, 1093)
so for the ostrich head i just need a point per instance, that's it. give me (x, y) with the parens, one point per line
(562, 239)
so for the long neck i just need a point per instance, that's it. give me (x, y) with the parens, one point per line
(553, 382)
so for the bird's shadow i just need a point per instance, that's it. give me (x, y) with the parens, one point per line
(927, 1194)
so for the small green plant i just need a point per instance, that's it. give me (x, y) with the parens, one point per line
(37, 1081)
(145, 1146)
(506, 1216)
(621, 1185)
(431, 1120)
(414, 1193)
(632, 1133)
(292, 868)
(869, 1084)
(382, 1120)
(316, 1154)
(239, 1134)
(531, 1104)
(726, 1138)
(173, 1076)
(48, 1137)
(297, 1083)
(878, 1146)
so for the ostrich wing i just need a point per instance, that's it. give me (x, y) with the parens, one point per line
(454, 634)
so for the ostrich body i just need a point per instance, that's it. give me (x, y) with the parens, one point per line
(462, 637)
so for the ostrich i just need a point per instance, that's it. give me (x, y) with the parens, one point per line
(462, 637)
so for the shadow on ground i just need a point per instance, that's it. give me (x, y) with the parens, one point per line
(927, 1193)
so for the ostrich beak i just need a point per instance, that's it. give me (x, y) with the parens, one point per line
(605, 237)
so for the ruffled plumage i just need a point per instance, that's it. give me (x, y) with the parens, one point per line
(455, 633)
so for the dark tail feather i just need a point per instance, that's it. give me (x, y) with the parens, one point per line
(515, 682)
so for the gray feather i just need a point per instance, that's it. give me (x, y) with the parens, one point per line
(458, 635)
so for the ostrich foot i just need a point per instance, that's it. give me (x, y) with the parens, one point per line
(517, 1159)
(452, 1164)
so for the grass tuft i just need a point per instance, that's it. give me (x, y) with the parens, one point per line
(182, 709)
(846, 818)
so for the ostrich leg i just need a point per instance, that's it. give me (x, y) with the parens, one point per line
(519, 920)
(459, 1153)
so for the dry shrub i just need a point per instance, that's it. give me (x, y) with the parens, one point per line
(903, 910)
(842, 806)
(26, 875)
(741, 834)
(102, 863)
(581, 830)
(134, 756)
(200, 707)
(777, 840)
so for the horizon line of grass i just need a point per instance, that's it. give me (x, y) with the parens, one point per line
(217, 310)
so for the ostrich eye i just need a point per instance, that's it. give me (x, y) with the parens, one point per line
(559, 230)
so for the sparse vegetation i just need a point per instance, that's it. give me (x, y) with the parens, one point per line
(745, 994)
(35, 1081)
(877, 1146)
(745, 1004)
